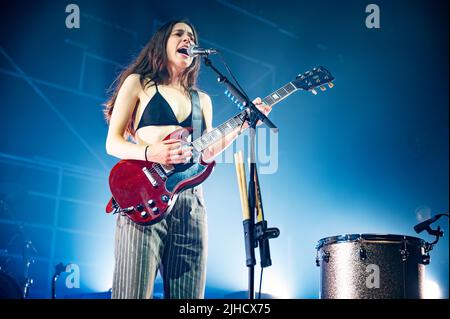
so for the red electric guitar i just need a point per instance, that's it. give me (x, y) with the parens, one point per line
(146, 191)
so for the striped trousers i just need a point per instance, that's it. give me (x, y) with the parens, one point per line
(176, 246)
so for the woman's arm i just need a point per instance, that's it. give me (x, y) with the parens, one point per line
(116, 144)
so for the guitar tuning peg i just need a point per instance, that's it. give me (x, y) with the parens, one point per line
(323, 88)
(330, 84)
(313, 91)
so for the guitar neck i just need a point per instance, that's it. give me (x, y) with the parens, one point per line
(280, 94)
(215, 135)
(236, 121)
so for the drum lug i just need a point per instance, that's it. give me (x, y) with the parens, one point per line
(326, 256)
(426, 259)
(404, 252)
(362, 254)
(317, 258)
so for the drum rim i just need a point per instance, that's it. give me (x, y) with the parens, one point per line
(367, 236)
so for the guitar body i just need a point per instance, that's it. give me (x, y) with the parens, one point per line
(147, 191)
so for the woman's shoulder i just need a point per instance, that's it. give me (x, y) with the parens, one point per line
(199, 91)
(204, 96)
(205, 102)
(132, 83)
(138, 82)
(139, 79)
(133, 78)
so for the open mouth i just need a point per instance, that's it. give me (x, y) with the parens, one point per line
(183, 51)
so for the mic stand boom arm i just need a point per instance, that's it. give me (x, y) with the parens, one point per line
(253, 110)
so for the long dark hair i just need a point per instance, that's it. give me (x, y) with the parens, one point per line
(151, 65)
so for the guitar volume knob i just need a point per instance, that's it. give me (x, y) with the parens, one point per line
(151, 202)
(155, 210)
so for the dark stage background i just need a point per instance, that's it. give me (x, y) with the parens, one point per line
(368, 156)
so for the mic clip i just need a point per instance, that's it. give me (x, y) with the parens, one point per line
(435, 232)
(438, 233)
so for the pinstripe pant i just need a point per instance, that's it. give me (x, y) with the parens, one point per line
(177, 246)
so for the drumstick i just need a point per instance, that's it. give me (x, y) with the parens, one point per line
(244, 196)
(240, 172)
(239, 177)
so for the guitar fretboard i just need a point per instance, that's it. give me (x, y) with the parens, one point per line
(215, 135)
(236, 121)
(280, 94)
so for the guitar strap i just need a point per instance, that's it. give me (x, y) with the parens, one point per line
(197, 123)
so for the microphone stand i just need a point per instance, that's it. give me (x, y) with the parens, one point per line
(251, 236)
(59, 268)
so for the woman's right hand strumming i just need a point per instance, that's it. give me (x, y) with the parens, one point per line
(169, 152)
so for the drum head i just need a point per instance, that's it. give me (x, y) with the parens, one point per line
(369, 237)
(9, 289)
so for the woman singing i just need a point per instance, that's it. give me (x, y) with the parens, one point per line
(151, 99)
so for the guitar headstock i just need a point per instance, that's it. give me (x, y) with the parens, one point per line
(314, 78)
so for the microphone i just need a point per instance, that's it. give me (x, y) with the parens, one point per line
(195, 50)
(425, 224)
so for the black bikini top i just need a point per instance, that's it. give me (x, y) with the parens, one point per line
(158, 112)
